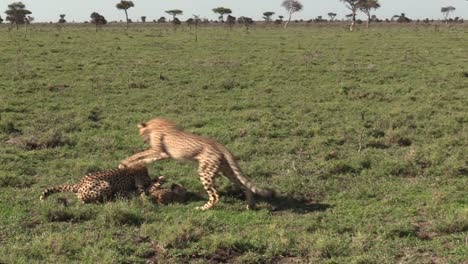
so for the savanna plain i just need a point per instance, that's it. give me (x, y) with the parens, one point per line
(363, 134)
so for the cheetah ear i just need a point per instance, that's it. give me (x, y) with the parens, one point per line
(142, 125)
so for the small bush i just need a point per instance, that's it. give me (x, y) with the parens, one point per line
(396, 139)
(9, 128)
(329, 247)
(47, 140)
(454, 223)
(122, 216)
(229, 84)
(68, 215)
(16, 182)
(185, 237)
(403, 231)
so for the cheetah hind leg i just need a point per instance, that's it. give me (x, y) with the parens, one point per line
(96, 192)
(207, 176)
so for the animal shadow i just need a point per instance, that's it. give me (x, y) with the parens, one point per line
(300, 204)
(194, 197)
(297, 204)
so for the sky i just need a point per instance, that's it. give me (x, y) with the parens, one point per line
(80, 10)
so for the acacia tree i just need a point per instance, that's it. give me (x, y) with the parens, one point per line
(62, 19)
(366, 6)
(352, 5)
(194, 21)
(176, 21)
(17, 13)
(292, 6)
(331, 16)
(446, 12)
(125, 5)
(231, 21)
(98, 20)
(401, 18)
(267, 16)
(174, 13)
(246, 21)
(222, 11)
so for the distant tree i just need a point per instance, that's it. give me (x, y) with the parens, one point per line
(1, 19)
(446, 12)
(62, 19)
(267, 16)
(366, 6)
(230, 20)
(174, 13)
(332, 16)
(125, 5)
(162, 20)
(319, 19)
(246, 21)
(292, 6)
(352, 5)
(195, 21)
(17, 13)
(279, 20)
(143, 19)
(402, 18)
(98, 20)
(176, 21)
(222, 11)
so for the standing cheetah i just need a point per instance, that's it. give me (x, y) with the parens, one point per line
(167, 140)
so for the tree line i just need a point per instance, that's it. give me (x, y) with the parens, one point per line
(18, 14)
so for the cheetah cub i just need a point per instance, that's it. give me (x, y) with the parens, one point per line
(168, 141)
(163, 196)
(104, 185)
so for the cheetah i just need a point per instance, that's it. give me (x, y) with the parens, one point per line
(163, 196)
(167, 141)
(104, 185)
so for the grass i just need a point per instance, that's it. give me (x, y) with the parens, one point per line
(363, 134)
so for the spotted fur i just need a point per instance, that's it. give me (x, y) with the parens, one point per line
(104, 185)
(168, 141)
(163, 196)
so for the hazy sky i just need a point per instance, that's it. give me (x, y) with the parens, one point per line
(80, 10)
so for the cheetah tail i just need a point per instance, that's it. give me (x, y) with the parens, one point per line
(61, 188)
(246, 182)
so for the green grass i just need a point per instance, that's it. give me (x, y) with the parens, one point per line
(364, 135)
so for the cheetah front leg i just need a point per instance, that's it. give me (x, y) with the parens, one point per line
(208, 173)
(146, 156)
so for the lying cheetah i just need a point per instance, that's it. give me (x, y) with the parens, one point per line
(164, 196)
(103, 185)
